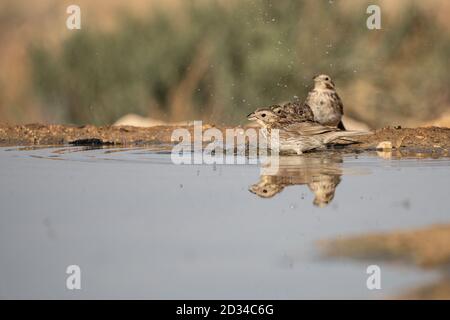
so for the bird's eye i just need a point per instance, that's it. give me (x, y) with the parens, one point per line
(263, 115)
(327, 79)
(264, 191)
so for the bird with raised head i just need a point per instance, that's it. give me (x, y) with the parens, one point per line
(325, 103)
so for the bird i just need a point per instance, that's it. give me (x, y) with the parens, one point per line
(297, 136)
(325, 103)
(294, 111)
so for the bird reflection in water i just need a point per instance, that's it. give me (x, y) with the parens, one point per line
(321, 172)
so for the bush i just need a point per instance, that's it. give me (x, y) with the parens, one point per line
(218, 61)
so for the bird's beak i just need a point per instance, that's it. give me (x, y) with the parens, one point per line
(251, 116)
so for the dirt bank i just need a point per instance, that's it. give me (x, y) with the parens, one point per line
(430, 139)
(425, 248)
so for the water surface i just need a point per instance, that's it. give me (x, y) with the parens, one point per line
(140, 227)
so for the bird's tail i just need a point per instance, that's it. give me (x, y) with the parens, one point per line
(345, 135)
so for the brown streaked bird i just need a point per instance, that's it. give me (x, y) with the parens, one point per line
(298, 136)
(325, 103)
(267, 118)
(294, 111)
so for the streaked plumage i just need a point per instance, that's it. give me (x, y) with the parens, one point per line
(325, 102)
(294, 111)
(298, 136)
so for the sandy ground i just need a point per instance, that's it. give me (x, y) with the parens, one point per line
(427, 140)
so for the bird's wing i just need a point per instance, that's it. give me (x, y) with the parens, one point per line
(308, 128)
(335, 97)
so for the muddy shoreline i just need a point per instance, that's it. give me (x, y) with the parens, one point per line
(433, 140)
(425, 248)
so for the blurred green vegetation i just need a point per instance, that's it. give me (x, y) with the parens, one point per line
(218, 61)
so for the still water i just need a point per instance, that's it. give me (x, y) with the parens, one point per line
(141, 227)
